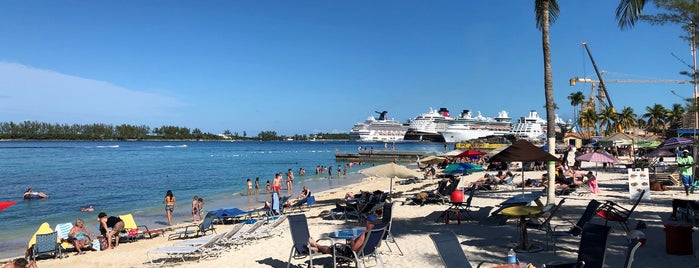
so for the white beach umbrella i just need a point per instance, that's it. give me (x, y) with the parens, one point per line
(390, 170)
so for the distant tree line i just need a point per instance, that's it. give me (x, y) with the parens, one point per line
(33, 130)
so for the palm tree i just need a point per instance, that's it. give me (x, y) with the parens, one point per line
(576, 98)
(656, 116)
(588, 122)
(607, 119)
(547, 12)
(627, 118)
(675, 115)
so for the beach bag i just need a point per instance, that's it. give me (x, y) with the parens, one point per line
(103, 242)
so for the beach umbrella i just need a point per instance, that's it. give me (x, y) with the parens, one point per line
(523, 151)
(432, 160)
(390, 170)
(6, 204)
(454, 168)
(597, 157)
(661, 152)
(469, 153)
(675, 142)
(453, 153)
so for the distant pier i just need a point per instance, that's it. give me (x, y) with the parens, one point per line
(379, 156)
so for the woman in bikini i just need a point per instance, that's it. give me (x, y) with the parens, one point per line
(170, 202)
(195, 208)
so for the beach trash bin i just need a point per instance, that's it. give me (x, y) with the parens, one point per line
(457, 196)
(678, 240)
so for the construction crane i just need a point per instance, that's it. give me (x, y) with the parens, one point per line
(602, 94)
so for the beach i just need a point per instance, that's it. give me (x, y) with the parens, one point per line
(483, 239)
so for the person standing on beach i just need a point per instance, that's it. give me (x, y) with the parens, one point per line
(249, 182)
(277, 183)
(257, 185)
(195, 208)
(200, 208)
(290, 180)
(685, 164)
(170, 202)
(330, 172)
(115, 223)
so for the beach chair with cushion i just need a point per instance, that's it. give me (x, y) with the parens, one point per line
(46, 244)
(576, 229)
(62, 231)
(298, 225)
(450, 250)
(134, 231)
(182, 252)
(202, 228)
(369, 248)
(611, 211)
(545, 225)
(592, 251)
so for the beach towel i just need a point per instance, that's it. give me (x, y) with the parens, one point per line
(44, 228)
(592, 184)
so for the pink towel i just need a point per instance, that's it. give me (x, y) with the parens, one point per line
(592, 184)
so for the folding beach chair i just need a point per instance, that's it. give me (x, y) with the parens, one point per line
(577, 227)
(546, 224)
(611, 211)
(135, 231)
(450, 250)
(181, 252)
(298, 225)
(387, 220)
(369, 248)
(197, 230)
(46, 244)
(62, 231)
(592, 251)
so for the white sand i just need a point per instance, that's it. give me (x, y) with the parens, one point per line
(482, 239)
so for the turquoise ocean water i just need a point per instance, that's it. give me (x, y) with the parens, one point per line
(132, 177)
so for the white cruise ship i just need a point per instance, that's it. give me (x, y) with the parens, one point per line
(426, 127)
(533, 127)
(467, 127)
(378, 129)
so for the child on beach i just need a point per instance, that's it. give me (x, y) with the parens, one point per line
(195, 208)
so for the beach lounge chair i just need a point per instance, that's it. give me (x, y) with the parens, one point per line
(298, 225)
(46, 244)
(62, 231)
(181, 252)
(340, 211)
(592, 251)
(269, 230)
(134, 231)
(369, 248)
(611, 211)
(197, 230)
(387, 220)
(546, 224)
(243, 236)
(450, 250)
(577, 227)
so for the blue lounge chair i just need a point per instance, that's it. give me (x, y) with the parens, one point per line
(205, 226)
(46, 244)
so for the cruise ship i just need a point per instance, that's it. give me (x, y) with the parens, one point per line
(426, 127)
(533, 127)
(379, 129)
(467, 127)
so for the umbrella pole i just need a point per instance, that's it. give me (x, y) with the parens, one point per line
(522, 177)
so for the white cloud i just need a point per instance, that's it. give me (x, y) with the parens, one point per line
(27, 93)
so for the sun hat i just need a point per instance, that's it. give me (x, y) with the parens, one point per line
(685, 151)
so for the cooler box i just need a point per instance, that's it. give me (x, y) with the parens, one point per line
(678, 240)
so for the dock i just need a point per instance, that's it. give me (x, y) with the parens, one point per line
(379, 156)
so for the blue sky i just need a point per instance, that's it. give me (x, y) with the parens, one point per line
(299, 67)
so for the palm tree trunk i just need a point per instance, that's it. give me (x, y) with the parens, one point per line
(550, 111)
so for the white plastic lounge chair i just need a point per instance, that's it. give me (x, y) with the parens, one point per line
(269, 230)
(186, 251)
(241, 237)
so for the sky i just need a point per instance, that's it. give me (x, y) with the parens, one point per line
(302, 67)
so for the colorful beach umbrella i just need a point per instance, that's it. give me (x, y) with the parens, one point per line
(597, 157)
(469, 153)
(675, 142)
(6, 204)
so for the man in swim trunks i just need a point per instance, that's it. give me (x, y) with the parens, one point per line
(277, 183)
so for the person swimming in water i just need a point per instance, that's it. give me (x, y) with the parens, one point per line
(29, 194)
(89, 208)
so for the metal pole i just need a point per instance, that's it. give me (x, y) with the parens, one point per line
(694, 81)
